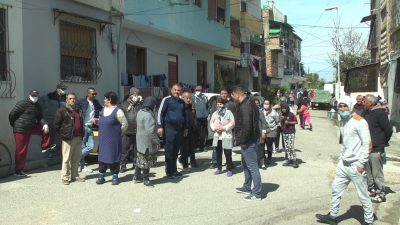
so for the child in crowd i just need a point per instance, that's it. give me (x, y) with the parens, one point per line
(288, 122)
(305, 113)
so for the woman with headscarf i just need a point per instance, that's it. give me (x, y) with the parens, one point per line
(112, 125)
(271, 118)
(222, 122)
(147, 141)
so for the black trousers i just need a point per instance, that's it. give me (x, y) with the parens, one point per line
(278, 137)
(228, 157)
(301, 118)
(114, 167)
(187, 148)
(127, 141)
(201, 133)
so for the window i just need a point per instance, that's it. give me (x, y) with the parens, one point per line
(197, 2)
(397, 77)
(243, 6)
(135, 60)
(3, 46)
(216, 10)
(78, 53)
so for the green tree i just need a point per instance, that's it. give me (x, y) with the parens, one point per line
(314, 81)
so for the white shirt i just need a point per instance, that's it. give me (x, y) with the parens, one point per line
(89, 115)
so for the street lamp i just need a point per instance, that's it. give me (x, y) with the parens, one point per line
(337, 47)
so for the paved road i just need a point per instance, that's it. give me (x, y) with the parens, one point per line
(290, 196)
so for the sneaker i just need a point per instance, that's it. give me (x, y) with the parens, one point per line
(123, 169)
(252, 197)
(326, 219)
(50, 156)
(242, 191)
(217, 172)
(186, 170)
(194, 165)
(229, 173)
(233, 153)
(378, 199)
(263, 167)
(372, 192)
(87, 169)
(136, 179)
(282, 150)
(213, 166)
(49, 147)
(147, 183)
(115, 181)
(295, 164)
(100, 181)
(287, 163)
(20, 174)
(65, 182)
(276, 150)
(79, 179)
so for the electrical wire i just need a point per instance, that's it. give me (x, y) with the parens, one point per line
(317, 20)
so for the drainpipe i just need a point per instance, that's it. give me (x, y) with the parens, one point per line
(118, 59)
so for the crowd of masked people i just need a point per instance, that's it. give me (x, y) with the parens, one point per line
(253, 123)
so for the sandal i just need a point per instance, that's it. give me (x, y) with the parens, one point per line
(378, 199)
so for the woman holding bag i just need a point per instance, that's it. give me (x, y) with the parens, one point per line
(222, 122)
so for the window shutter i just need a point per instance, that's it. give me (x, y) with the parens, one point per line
(212, 10)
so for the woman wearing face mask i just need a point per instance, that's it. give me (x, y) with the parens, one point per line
(147, 141)
(272, 122)
(257, 101)
(222, 122)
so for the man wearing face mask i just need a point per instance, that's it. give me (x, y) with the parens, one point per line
(50, 103)
(90, 109)
(131, 107)
(356, 142)
(26, 118)
(200, 102)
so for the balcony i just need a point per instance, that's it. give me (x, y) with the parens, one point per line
(250, 24)
(274, 44)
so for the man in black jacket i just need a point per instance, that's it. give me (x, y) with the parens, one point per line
(131, 107)
(68, 122)
(247, 134)
(381, 132)
(26, 118)
(90, 109)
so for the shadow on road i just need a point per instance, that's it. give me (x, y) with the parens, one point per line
(355, 211)
(267, 188)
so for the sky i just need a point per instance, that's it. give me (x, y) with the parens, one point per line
(313, 24)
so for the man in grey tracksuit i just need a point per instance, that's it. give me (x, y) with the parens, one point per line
(356, 142)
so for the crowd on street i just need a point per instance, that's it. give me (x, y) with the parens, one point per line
(133, 129)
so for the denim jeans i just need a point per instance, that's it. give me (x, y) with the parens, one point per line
(214, 156)
(87, 144)
(250, 168)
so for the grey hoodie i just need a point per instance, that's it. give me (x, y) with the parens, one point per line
(356, 139)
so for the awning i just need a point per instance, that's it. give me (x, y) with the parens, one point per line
(368, 18)
(58, 12)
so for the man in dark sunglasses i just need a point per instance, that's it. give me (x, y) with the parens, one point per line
(90, 108)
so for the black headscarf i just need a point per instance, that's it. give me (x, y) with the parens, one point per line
(148, 104)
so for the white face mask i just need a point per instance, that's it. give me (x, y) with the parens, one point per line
(266, 106)
(134, 99)
(197, 93)
(33, 99)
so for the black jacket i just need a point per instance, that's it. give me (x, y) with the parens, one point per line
(24, 116)
(131, 115)
(64, 122)
(84, 104)
(247, 122)
(379, 128)
(189, 116)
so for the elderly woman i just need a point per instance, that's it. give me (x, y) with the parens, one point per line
(112, 125)
(222, 122)
(147, 141)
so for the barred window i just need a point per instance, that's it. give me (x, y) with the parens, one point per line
(78, 53)
(3, 45)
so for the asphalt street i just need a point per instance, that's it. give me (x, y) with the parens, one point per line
(290, 196)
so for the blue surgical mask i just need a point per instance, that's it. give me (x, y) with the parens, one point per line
(62, 92)
(344, 114)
